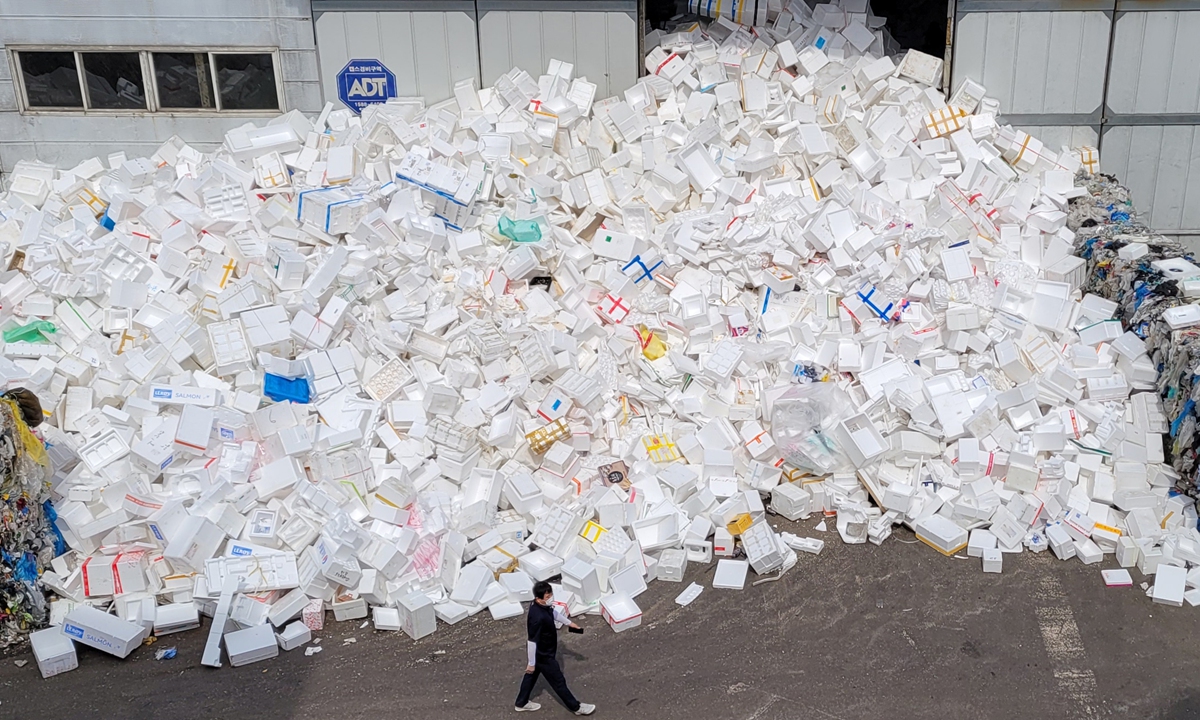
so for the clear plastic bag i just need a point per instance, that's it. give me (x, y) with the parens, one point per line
(801, 423)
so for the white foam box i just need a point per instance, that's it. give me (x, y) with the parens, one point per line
(672, 564)
(175, 395)
(980, 541)
(288, 607)
(722, 542)
(194, 429)
(523, 493)
(385, 618)
(505, 609)
(1088, 551)
(518, 584)
(251, 645)
(293, 636)
(195, 541)
(1117, 578)
(580, 577)
(472, 581)
(451, 612)
(628, 581)
(1127, 551)
(1149, 560)
(155, 452)
(791, 500)
(88, 626)
(417, 615)
(1170, 583)
(860, 439)
(993, 560)
(620, 612)
(355, 609)
(541, 564)
(53, 651)
(176, 617)
(941, 534)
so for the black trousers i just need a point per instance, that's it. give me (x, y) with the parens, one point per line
(547, 666)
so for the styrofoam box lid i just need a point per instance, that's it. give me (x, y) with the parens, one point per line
(386, 615)
(451, 612)
(620, 607)
(730, 574)
(577, 568)
(628, 581)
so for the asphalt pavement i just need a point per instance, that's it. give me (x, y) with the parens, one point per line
(894, 632)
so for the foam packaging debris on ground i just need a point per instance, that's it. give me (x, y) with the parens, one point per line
(532, 331)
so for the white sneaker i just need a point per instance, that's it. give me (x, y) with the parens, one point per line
(585, 709)
(529, 707)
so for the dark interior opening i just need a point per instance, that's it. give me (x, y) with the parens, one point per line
(917, 24)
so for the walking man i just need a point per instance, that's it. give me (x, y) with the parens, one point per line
(543, 647)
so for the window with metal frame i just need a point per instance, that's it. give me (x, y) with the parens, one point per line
(120, 80)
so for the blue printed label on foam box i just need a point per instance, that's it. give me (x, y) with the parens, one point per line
(162, 393)
(73, 630)
(240, 550)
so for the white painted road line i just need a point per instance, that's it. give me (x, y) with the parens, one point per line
(1064, 646)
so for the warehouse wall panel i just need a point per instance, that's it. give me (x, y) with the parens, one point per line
(602, 45)
(1161, 166)
(1156, 63)
(1057, 136)
(1035, 62)
(428, 51)
(1050, 65)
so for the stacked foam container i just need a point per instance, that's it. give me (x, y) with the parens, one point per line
(406, 364)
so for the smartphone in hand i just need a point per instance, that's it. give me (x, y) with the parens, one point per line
(576, 630)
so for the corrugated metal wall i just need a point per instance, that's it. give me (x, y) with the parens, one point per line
(1161, 165)
(428, 51)
(1055, 136)
(1156, 63)
(602, 45)
(1154, 81)
(432, 44)
(1035, 62)
(1120, 74)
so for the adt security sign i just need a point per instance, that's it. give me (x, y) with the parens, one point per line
(365, 82)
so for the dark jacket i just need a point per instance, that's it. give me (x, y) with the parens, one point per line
(542, 631)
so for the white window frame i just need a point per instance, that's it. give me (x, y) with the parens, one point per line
(149, 80)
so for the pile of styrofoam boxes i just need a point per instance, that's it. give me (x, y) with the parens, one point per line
(475, 414)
